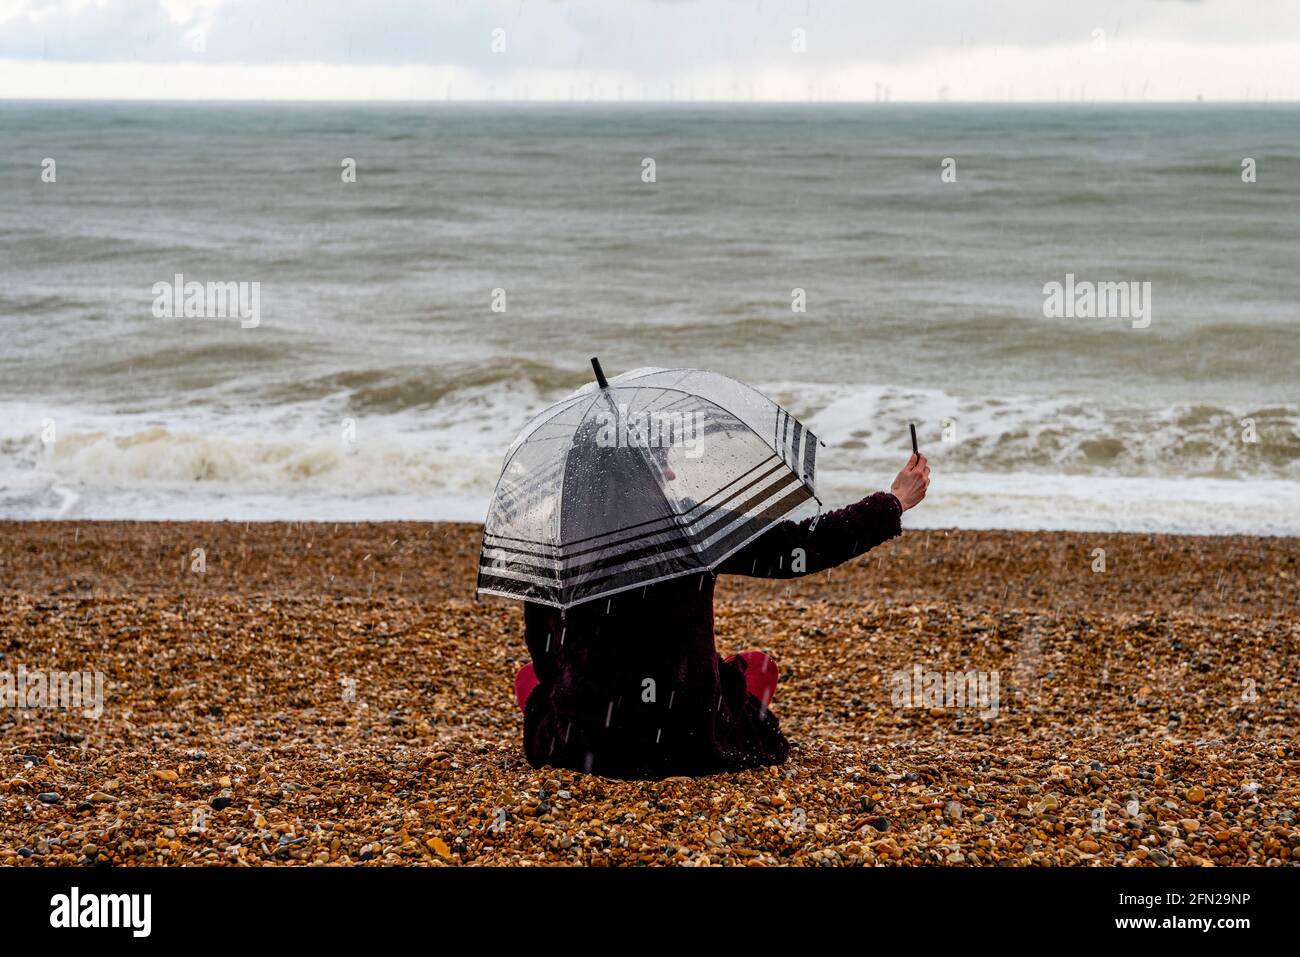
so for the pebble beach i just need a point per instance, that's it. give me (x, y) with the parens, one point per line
(280, 694)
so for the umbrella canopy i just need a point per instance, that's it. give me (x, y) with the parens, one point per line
(655, 474)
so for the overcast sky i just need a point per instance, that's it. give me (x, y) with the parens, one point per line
(914, 50)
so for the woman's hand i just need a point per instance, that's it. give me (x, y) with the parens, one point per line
(910, 485)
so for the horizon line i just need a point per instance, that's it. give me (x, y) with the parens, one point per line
(630, 102)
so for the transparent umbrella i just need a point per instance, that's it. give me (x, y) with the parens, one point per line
(654, 474)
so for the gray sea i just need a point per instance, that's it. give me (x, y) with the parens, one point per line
(409, 323)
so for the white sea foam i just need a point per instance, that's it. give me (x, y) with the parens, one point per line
(1080, 435)
(1012, 461)
(1191, 506)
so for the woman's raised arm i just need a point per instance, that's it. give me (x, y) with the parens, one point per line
(792, 549)
(815, 544)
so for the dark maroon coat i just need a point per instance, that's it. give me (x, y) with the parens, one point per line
(633, 686)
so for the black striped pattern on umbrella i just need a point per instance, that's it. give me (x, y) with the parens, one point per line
(681, 538)
(745, 484)
(608, 579)
(796, 445)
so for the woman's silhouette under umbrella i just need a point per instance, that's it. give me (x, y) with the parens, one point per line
(631, 684)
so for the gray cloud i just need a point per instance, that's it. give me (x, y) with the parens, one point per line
(650, 49)
(635, 35)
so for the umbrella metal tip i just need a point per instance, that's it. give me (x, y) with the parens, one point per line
(600, 376)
